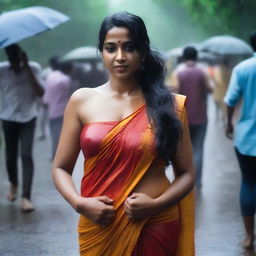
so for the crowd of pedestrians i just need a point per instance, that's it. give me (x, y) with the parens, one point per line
(134, 92)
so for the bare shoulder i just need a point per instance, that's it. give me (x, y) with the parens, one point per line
(86, 102)
(85, 94)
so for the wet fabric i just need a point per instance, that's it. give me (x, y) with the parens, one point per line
(118, 154)
(159, 236)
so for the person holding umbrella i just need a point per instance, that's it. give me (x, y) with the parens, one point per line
(242, 86)
(20, 86)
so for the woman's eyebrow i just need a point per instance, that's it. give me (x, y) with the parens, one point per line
(113, 43)
(128, 42)
(109, 43)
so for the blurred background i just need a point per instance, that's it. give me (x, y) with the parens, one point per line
(51, 230)
(170, 23)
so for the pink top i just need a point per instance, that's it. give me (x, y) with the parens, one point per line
(57, 93)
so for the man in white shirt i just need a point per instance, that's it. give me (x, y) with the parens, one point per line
(19, 88)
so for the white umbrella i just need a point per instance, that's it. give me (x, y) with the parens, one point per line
(81, 54)
(20, 24)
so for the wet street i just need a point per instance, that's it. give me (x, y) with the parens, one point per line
(51, 229)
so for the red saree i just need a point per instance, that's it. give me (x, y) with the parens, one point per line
(118, 154)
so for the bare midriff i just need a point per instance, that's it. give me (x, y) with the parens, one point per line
(154, 183)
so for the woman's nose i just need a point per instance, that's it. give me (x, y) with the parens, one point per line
(120, 56)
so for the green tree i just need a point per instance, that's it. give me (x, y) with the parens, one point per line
(222, 16)
(169, 24)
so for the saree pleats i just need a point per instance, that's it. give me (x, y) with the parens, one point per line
(125, 155)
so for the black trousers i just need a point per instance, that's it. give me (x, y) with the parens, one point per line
(248, 185)
(20, 134)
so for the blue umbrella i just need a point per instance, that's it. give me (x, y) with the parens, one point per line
(20, 24)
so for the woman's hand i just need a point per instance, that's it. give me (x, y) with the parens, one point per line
(99, 209)
(140, 206)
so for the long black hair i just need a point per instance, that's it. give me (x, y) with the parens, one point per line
(159, 101)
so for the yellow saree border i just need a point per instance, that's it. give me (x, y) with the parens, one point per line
(186, 246)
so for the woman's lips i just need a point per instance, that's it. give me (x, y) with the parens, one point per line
(121, 68)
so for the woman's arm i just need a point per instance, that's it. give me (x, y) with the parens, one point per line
(184, 171)
(98, 209)
(67, 153)
(139, 205)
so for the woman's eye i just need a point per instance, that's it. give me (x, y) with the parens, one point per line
(110, 49)
(129, 48)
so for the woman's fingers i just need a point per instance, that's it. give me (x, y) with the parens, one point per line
(106, 200)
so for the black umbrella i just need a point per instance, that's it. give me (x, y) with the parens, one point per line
(226, 45)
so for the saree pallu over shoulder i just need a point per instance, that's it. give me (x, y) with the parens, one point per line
(125, 155)
(186, 246)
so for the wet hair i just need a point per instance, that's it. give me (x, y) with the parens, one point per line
(159, 101)
(189, 53)
(13, 52)
(253, 41)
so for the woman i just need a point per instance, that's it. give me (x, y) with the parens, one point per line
(129, 129)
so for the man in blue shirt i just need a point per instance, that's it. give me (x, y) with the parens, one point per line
(243, 86)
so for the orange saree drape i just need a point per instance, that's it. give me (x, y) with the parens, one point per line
(113, 168)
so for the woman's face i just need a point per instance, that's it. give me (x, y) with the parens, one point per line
(119, 54)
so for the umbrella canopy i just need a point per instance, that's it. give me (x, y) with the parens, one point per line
(226, 45)
(20, 24)
(81, 54)
(175, 52)
(202, 56)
